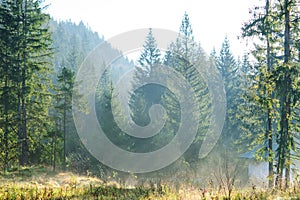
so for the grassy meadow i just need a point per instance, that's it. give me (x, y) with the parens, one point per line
(42, 183)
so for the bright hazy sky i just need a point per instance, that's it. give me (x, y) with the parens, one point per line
(211, 20)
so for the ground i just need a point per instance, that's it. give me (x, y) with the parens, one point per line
(42, 183)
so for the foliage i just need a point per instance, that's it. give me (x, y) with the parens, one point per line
(25, 98)
(188, 58)
(273, 88)
(36, 124)
(229, 70)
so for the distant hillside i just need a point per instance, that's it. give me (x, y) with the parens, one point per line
(72, 43)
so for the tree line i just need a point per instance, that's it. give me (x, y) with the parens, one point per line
(273, 92)
(262, 88)
(39, 59)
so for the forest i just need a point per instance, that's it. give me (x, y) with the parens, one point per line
(40, 58)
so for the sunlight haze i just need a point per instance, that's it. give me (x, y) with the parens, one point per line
(211, 20)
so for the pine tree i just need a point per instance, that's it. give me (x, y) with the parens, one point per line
(150, 55)
(263, 26)
(144, 97)
(146, 94)
(296, 114)
(8, 92)
(28, 46)
(229, 70)
(106, 102)
(186, 57)
(65, 80)
(277, 73)
(251, 115)
(287, 74)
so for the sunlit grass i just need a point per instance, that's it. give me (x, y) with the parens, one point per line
(41, 183)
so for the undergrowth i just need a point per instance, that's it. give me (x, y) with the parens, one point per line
(40, 183)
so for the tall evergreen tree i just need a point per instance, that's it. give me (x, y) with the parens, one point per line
(8, 105)
(250, 113)
(108, 109)
(28, 46)
(150, 55)
(143, 98)
(65, 80)
(287, 73)
(263, 27)
(229, 70)
(147, 94)
(277, 73)
(186, 57)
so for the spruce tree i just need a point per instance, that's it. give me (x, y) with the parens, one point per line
(146, 94)
(186, 57)
(263, 27)
(273, 26)
(65, 80)
(28, 44)
(229, 70)
(8, 91)
(144, 97)
(287, 74)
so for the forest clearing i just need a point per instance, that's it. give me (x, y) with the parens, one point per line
(43, 183)
(149, 113)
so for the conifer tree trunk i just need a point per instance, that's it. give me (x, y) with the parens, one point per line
(24, 66)
(287, 96)
(285, 137)
(6, 124)
(64, 130)
(269, 131)
(24, 153)
(55, 144)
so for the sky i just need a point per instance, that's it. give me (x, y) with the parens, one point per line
(211, 20)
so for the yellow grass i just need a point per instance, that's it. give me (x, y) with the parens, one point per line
(40, 183)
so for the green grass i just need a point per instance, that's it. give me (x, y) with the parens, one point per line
(41, 183)
(14, 191)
